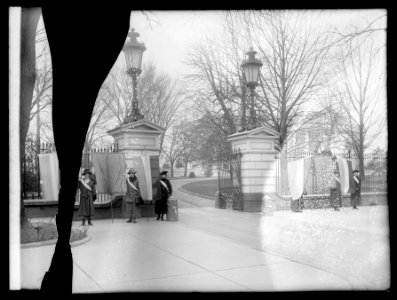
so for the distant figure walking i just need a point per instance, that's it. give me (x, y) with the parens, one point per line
(356, 196)
(87, 196)
(164, 191)
(132, 196)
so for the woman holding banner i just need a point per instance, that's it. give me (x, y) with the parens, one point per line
(133, 195)
(356, 195)
(87, 196)
(164, 191)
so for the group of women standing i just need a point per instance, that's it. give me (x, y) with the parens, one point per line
(133, 196)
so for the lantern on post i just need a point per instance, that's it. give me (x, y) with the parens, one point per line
(133, 53)
(251, 68)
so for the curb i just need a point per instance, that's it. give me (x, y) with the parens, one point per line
(54, 241)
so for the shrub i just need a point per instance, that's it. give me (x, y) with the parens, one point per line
(38, 232)
(192, 175)
(78, 233)
(44, 231)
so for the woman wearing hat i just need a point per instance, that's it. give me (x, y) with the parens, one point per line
(87, 196)
(132, 196)
(335, 191)
(163, 192)
(355, 197)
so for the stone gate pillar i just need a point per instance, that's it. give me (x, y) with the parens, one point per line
(140, 142)
(258, 172)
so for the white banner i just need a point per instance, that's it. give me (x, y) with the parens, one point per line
(295, 178)
(49, 175)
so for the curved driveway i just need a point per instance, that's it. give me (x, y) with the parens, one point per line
(187, 200)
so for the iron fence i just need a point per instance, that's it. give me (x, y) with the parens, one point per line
(374, 174)
(30, 167)
(229, 179)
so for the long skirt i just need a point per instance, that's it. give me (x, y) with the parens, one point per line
(86, 208)
(296, 205)
(161, 207)
(355, 199)
(335, 198)
(131, 210)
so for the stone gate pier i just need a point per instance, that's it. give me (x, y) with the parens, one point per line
(139, 141)
(258, 166)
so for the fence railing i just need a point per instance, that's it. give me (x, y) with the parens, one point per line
(229, 179)
(374, 178)
(30, 167)
(101, 198)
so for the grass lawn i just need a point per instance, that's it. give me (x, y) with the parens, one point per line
(207, 187)
(43, 231)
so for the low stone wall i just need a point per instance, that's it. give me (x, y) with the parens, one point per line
(49, 209)
(369, 198)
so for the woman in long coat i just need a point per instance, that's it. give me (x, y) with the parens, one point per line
(163, 192)
(87, 196)
(356, 196)
(336, 191)
(132, 196)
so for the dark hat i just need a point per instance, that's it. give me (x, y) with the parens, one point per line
(354, 171)
(163, 172)
(131, 171)
(86, 171)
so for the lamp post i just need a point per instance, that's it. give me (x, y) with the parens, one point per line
(251, 68)
(133, 52)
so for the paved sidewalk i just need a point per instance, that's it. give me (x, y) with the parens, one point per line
(168, 256)
(176, 256)
(220, 250)
(351, 244)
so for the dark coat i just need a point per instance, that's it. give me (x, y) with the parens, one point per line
(162, 195)
(132, 195)
(86, 207)
(356, 196)
(336, 193)
(93, 178)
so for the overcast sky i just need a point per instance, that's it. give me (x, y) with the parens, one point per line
(168, 35)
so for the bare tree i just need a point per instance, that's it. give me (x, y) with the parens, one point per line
(218, 87)
(293, 58)
(42, 93)
(171, 150)
(159, 97)
(29, 20)
(187, 142)
(99, 122)
(210, 141)
(358, 94)
(331, 113)
(217, 82)
(372, 27)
